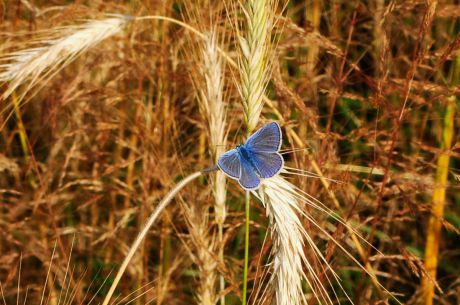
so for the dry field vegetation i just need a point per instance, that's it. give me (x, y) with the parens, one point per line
(110, 110)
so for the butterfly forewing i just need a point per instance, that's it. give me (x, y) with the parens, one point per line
(266, 139)
(267, 164)
(229, 163)
(248, 178)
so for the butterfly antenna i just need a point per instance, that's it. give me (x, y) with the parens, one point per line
(211, 169)
(288, 151)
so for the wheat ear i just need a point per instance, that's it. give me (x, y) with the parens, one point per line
(253, 60)
(39, 63)
(209, 83)
(254, 70)
(213, 106)
(281, 201)
(216, 114)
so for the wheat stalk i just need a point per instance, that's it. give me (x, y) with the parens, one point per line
(216, 114)
(204, 245)
(254, 74)
(213, 106)
(209, 83)
(253, 69)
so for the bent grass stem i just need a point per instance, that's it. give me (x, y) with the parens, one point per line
(153, 217)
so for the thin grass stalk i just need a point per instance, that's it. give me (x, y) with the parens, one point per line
(52, 289)
(216, 119)
(247, 205)
(22, 130)
(439, 197)
(313, 15)
(254, 74)
(137, 242)
(113, 193)
(130, 178)
(164, 99)
(23, 138)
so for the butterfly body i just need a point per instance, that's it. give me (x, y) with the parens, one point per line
(257, 159)
(246, 154)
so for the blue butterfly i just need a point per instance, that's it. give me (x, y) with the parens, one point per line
(257, 159)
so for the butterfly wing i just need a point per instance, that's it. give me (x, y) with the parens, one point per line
(262, 147)
(230, 164)
(268, 164)
(248, 178)
(266, 139)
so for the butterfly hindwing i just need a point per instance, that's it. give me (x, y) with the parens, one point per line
(230, 164)
(266, 139)
(267, 164)
(248, 178)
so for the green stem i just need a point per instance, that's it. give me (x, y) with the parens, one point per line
(221, 257)
(246, 248)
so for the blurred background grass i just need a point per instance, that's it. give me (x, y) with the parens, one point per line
(369, 87)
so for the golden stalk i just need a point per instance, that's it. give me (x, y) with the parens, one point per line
(438, 201)
(140, 238)
(254, 73)
(209, 84)
(21, 129)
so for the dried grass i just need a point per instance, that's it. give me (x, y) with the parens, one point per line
(360, 89)
(208, 80)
